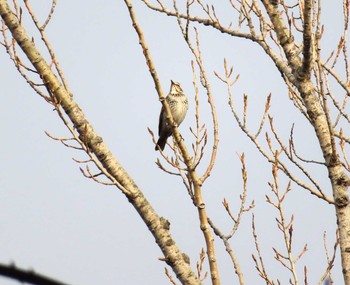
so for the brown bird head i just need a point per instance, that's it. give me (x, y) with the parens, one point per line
(175, 88)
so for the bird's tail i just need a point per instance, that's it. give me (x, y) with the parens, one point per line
(161, 143)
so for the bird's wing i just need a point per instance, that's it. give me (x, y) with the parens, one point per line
(161, 121)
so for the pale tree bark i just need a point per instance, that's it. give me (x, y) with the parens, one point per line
(272, 26)
(190, 163)
(94, 144)
(301, 78)
(269, 25)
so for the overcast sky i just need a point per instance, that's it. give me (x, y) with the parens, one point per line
(57, 222)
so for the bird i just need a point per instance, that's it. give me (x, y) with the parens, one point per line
(178, 103)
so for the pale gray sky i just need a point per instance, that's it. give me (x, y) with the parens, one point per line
(60, 224)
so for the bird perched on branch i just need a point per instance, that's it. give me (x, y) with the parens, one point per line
(178, 104)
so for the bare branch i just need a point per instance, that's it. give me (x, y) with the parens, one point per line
(330, 259)
(49, 16)
(259, 263)
(171, 279)
(97, 149)
(307, 40)
(31, 277)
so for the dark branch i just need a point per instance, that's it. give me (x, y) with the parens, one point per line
(29, 276)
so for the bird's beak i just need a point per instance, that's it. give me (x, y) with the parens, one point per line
(172, 82)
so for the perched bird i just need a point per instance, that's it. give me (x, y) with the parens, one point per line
(178, 104)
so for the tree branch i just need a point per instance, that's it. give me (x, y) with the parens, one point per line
(27, 276)
(197, 183)
(307, 41)
(157, 225)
